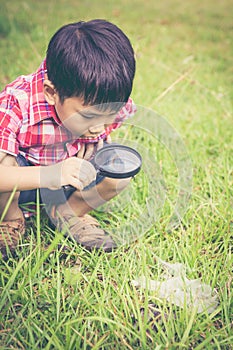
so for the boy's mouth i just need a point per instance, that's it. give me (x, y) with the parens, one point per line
(90, 138)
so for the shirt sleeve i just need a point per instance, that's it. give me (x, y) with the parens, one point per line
(10, 121)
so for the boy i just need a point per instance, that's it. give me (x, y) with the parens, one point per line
(53, 120)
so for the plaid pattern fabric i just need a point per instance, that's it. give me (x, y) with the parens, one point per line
(30, 126)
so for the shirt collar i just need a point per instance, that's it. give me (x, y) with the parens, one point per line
(39, 107)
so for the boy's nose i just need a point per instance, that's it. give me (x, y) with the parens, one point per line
(97, 129)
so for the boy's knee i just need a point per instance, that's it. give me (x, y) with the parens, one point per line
(8, 160)
(116, 185)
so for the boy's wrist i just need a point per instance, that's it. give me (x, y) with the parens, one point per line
(50, 176)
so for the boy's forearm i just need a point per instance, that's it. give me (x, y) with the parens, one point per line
(21, 178)
(53, 176)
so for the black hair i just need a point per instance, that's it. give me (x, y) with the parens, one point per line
(93, 60)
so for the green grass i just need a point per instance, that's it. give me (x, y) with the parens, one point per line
(56, 295)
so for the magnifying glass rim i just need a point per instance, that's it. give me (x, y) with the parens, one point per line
(117, 175)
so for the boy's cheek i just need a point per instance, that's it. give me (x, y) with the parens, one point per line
(74, 125)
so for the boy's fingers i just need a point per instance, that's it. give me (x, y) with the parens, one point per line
(81, 152)
(100, 144)
(77, 184)
(87, 173)
(84, 167)
(85, 178)
(109, 139)
(89, 151)
(76, 172)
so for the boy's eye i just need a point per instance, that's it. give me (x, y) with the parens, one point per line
(88, 115)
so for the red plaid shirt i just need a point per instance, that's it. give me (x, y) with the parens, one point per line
(30, 126)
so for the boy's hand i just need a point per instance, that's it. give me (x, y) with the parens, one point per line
(87, 149)
(109, 139)
(77, 172)
(72, 171)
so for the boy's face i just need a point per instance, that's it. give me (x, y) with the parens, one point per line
(82, 121)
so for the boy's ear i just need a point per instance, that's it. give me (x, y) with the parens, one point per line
(50, 92)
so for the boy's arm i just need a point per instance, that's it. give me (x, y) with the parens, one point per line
(21, 178)
(72, 171)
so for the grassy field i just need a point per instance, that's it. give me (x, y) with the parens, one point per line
(56, 295)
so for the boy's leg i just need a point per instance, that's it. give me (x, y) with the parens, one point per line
(83, 202)
(12, 226)
(72, 215)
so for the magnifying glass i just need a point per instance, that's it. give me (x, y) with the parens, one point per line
(116, 161)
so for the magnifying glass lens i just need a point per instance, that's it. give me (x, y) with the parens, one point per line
(118, 161)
